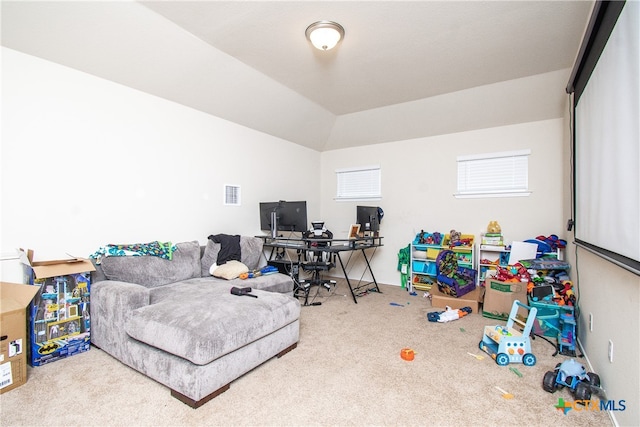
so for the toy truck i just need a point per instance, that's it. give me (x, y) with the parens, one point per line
(573, 375)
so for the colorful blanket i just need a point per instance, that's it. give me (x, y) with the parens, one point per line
(160, 249)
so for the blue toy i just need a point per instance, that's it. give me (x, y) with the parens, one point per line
(508, 345)
(572, 374)
(269, 269)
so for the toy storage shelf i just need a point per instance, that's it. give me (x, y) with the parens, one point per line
(490, 256)
(423, 260)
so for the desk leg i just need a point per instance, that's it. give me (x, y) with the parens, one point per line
(346, 277)
(364, 254)
(344, 271)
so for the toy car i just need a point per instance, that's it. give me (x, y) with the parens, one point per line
(572, 374)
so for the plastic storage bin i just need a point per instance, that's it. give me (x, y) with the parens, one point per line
(548, 318)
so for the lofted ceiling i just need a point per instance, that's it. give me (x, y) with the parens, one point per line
(405, 69)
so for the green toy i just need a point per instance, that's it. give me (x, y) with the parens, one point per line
(404, 257)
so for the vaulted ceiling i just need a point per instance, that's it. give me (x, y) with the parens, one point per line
(404, 69)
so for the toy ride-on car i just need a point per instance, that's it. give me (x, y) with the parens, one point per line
(508, 345)
(572, 374)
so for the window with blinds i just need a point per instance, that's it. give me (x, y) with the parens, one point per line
(503, 174)
(362, 183)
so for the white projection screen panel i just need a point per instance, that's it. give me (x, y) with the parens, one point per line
(606, 145)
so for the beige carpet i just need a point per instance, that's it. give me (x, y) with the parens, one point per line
(346, 370)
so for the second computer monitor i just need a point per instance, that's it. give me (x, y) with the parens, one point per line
(290, 216)
(367, 217)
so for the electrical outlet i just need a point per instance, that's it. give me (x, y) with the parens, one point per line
(610, 351)
(591, 322)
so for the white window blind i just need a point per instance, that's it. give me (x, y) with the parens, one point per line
(362, 183)
(503, 174)
(232, 195)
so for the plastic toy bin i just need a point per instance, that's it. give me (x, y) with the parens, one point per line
(424, 267)
(429, 239)
(548, 318)
(418, 266)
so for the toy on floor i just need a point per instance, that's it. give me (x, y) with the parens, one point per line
(572, 374)
(508, 345)
(407, 354)
(515, 371)
(448, 315)
(505, 394)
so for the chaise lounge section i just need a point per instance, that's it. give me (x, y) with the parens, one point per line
(172, 321)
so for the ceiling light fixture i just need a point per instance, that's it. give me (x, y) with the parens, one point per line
(324, 35)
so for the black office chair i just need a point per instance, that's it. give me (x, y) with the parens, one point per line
(316, 261)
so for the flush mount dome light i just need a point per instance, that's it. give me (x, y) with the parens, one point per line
(324, 35)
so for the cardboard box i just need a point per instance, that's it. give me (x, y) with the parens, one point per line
(59, 315)
(14, 299)
(499, 297)
(472, 299)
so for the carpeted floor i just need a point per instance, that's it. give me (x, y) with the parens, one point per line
(346, 370)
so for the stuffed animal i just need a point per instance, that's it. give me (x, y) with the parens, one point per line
(454, 237)
(494, 227)
(437, 238)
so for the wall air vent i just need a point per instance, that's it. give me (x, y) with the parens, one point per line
(232, 195)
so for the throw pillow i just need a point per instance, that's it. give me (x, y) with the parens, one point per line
(209, 257)
(230, 270)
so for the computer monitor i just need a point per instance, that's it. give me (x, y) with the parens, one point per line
(290, 216)
(367, 217)
(266, 208)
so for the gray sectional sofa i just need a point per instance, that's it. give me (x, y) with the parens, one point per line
(174, 322)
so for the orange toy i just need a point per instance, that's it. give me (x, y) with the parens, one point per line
(407, 354)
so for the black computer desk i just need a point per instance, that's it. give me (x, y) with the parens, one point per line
(333, 246)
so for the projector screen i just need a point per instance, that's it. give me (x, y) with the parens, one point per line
(606, 135)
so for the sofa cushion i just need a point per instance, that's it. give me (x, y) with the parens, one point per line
(209, 257)
(276, 282)
(251, 251)
(152, 271)
(203, 322)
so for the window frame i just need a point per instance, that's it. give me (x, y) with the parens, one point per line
(472, 169)
(359, 183)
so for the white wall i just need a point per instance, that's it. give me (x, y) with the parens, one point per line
(419, 180)
(612, 296)
(86, 162)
